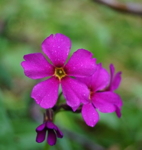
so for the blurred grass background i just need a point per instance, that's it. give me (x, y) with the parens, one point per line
(112, 37)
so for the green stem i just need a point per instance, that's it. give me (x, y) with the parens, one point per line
(47, 146)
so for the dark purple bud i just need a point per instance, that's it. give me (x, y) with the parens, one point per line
(51, 138)
(53, 133)
(40, 136)
(50, 125)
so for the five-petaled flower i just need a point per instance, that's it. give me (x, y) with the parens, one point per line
(81, 64)
(100, 99)
(53, 133)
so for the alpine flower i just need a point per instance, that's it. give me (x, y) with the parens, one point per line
(59, 72)
(99, 99)
(53, 133)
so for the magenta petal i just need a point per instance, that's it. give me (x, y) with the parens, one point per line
(90, 115)
(104, 107)
(112, 70)
(57, 48)
(119, 102)
(40, 127)
(86, 80)
(36, 66)
(118, 112)
(40, 136)
(74, 92)
(45, 93)
(81, 64)
(104, 102)
(51, 138)
(100, 79)
(115, 79)
(109, 97)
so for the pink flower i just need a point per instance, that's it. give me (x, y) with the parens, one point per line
(36, 66)
(99, 100)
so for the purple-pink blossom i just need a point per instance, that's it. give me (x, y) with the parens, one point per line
(59, 72)
(99, 99)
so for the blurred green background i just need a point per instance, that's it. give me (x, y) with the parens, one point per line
(113, 38)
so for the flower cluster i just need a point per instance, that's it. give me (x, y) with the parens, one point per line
(83, 82)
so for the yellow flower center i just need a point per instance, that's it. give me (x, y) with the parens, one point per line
(60, 73)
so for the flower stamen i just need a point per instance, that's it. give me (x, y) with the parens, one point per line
(91, 94)
(60, 73)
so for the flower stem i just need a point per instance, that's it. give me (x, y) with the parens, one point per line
(47, 146)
